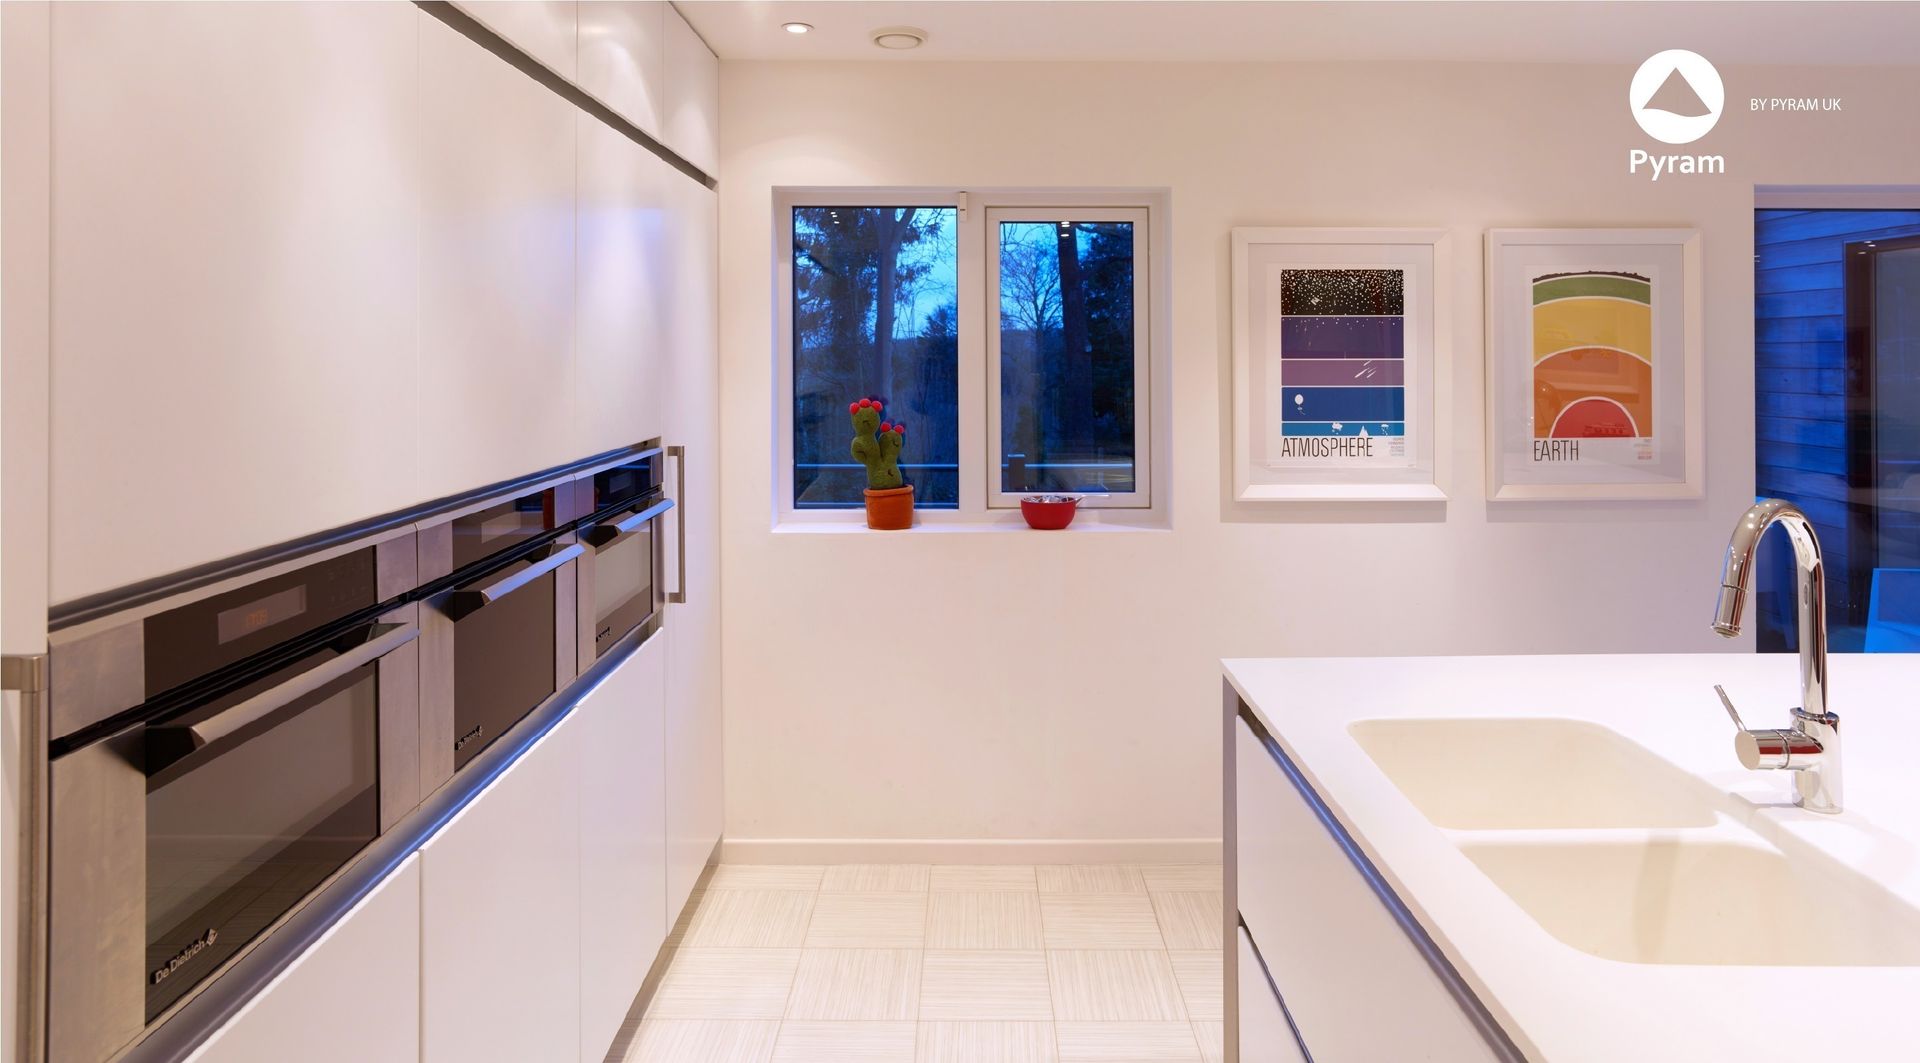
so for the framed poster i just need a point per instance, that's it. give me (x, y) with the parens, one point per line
(1337, 339)
(1594, 364)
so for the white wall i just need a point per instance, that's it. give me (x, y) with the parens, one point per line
(1016, 685)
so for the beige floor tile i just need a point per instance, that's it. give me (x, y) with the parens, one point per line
(725, 984)
(868, 921)
(876, 878)
(677, 934)
(1162, 878)
(985, 985)
(1213, 1041)
(984, 920)
(987, 1042)
(1127, 1042)
(1202, 983)
(751, 919)
(1190, 920)
(845, 1042)
(1089, 878)
(703, 1041)
(983, 877)
(769, 877)
(1099, 921)
(1101, 986)
(856, 985)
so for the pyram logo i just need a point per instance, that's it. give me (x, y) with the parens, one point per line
(1677, 96)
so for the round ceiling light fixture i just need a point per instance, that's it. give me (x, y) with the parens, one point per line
(797, 27)
(899, 38)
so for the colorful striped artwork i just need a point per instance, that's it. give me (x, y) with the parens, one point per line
(1342, 356)
(1592, 356)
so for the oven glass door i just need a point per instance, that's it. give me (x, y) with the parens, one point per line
(623, 586)
(504, 648)
(256, 798)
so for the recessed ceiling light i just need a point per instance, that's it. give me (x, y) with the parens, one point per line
(899, 38)
(795, 27)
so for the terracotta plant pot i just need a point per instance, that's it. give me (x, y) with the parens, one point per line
(890, 510)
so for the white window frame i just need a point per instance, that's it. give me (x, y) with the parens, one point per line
(1142, 494)
(978, 405)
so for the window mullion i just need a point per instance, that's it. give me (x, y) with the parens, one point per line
(974, 323)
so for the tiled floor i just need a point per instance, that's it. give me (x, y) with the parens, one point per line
(918, 964)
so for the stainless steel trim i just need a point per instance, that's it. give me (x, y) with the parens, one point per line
(228, 721)
(642, 456)
(627, 526)
(26, 676)
(678, 596)
(1483, 1021)
(473, 598)
(399, 693)
(215, 1002)
(96, 992)
(1278, 997)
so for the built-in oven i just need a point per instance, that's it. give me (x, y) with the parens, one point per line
(499, 576)
(620, 585)
(218, 756)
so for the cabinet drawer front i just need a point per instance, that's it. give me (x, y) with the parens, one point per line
(1355, 983)
(1265, 1035)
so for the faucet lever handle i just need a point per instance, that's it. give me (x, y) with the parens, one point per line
(1728, 702)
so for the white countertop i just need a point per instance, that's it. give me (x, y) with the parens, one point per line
(1564, 1005)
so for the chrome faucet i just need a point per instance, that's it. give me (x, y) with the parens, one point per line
(1810, 748)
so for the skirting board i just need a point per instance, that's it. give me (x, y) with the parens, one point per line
(970, 851)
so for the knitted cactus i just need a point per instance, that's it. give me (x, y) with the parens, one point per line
(876, 444)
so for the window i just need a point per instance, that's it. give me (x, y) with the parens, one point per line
(1011, 334)
(1836, 384)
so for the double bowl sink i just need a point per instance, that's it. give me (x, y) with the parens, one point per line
(1620, 854)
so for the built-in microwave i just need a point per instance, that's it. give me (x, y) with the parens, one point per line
(620, 585)
(217, 756)
(498, 577)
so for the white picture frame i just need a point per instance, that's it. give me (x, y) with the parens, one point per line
(1316, 417)
(1590, 395)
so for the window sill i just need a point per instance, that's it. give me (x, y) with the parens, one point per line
(856, 525)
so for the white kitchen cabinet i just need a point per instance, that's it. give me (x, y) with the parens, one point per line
(625, 270)
(233, 259)
(690, 124)
(623, 874)
(500, 916)
(695, 787)
(1355, 984)
(623, 55)
(495, 392)
(1264, 1034)
(354, 995)
(544, 29)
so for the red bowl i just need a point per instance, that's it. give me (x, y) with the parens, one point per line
(1049, 512)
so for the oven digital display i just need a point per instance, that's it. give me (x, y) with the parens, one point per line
(243, 620)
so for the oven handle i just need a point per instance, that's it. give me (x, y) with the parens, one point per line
(464, 602)
(388, 637)
(678, 596)
(604, 534)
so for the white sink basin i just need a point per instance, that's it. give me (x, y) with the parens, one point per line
(1529, 773)
(1702, 901)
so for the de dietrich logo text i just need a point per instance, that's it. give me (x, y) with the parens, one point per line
(1676, 97)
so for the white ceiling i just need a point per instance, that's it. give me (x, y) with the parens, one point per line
(1809, 31)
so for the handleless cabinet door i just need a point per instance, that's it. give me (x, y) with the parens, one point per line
(234, 244)
(623, 877)
(500, 916)
(695, 787)
(623, 56)
(691, 123)
(496, 385)
(544, 29)
(354, 995)
(625, 269)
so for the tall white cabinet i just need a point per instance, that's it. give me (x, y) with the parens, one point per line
(695, 790)
(234, 262)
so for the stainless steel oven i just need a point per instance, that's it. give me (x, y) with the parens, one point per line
(498, 577)
(620, 585)
(218, 755)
